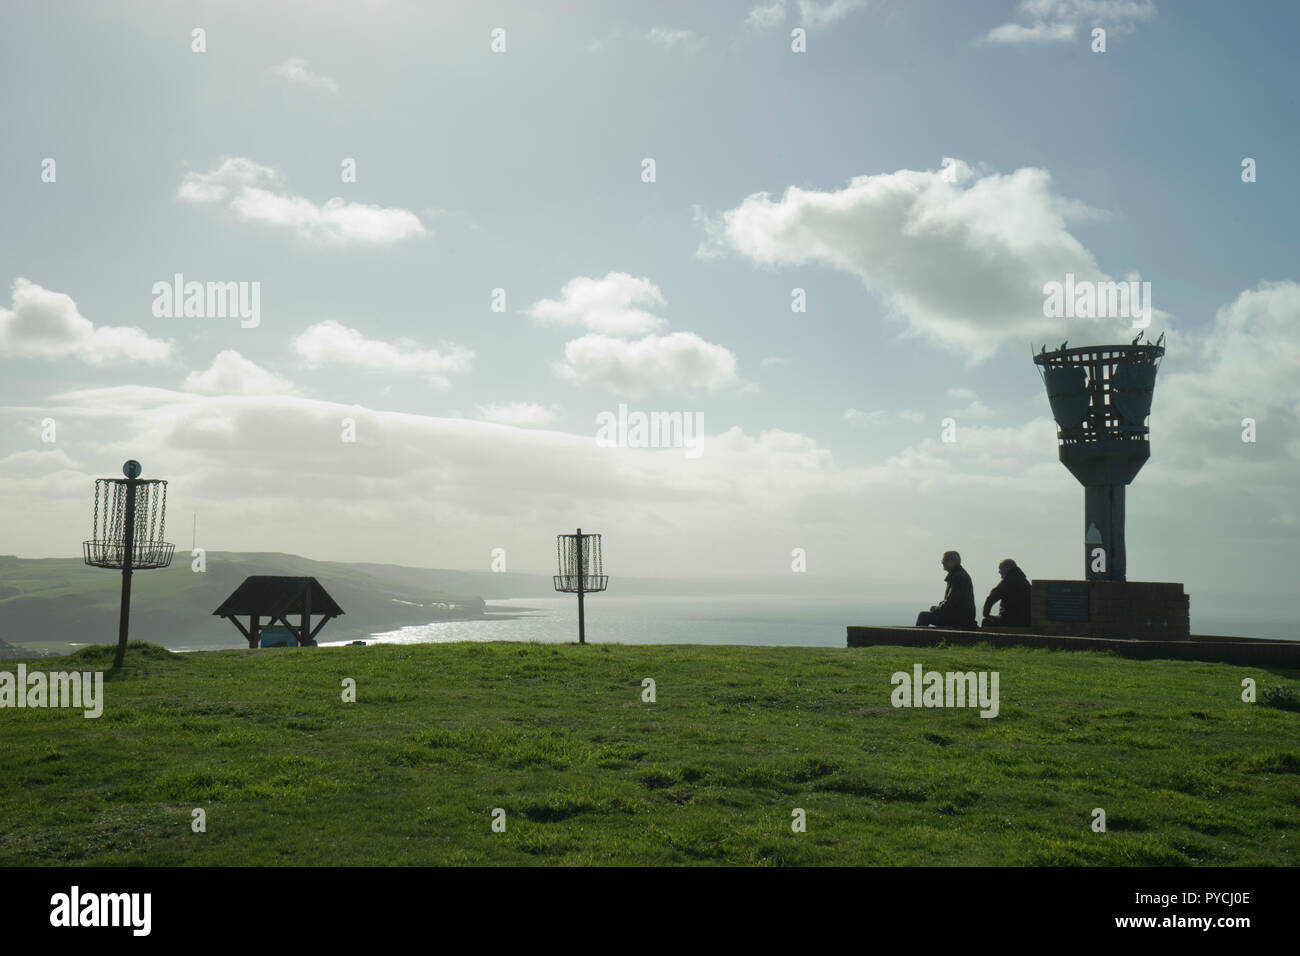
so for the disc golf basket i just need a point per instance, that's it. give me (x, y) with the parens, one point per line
(581, 569)
(126, 532)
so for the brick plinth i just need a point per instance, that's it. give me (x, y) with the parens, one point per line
(1142, 610)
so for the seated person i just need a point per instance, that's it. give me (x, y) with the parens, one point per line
(957, 609)
(1013, 592)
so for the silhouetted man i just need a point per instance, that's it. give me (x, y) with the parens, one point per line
(1013, 592)
(957, 609)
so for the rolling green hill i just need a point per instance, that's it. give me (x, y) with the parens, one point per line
(50, 603)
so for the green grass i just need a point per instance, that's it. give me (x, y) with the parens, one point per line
(587, 773)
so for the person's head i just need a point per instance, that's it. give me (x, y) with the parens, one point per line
(950, 560)
(1005, 565)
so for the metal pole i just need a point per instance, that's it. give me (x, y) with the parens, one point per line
(306, 616)
(582, 631)
(1103, 506)
(128, 545)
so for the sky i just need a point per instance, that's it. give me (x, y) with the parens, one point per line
(820, 230)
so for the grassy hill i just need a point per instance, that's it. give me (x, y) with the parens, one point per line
(559, 737)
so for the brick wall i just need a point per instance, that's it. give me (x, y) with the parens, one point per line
(1147, 610)
(1256, 652)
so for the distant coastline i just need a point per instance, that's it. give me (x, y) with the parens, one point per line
(55, 605)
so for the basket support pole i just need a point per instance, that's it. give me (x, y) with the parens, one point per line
(582, 630)
(128, 547)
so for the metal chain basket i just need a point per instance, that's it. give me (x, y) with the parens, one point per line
(106, 547)
(580, 563)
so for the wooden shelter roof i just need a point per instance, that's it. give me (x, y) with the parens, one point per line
(275, 596)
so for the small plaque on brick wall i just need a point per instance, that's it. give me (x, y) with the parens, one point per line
(1067, 600)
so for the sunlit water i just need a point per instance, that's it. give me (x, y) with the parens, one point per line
(770, 620)
(748, 619)
(740, 619)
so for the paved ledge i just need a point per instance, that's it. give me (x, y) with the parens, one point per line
(1256, 651)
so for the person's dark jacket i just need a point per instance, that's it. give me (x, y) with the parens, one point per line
(957, 609)
(1013, 592)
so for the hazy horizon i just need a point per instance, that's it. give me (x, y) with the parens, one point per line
(797, 584)
(1259, 614)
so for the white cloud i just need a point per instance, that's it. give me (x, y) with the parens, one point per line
(607, 305)
(45, 324)
(773, 361)
(495, 485)
(679, 361)
(331, 343)
(1038, 33)
(609, 308)
(815, 14)
(1249, 359)
(765, 16)
(812, 13)
(232, 374)
(974, 409)
(254, 193)
(881, 417)
(1060, 20)
(671, 38)
(855, 416)
(983, 455)
(519, 414)
(42, 460)
(295, 72)
(960, 258)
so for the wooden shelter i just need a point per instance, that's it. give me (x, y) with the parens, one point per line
(278, 598)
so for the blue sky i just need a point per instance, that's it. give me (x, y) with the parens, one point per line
(522, 170)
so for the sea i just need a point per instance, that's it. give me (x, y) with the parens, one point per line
(768, 620)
